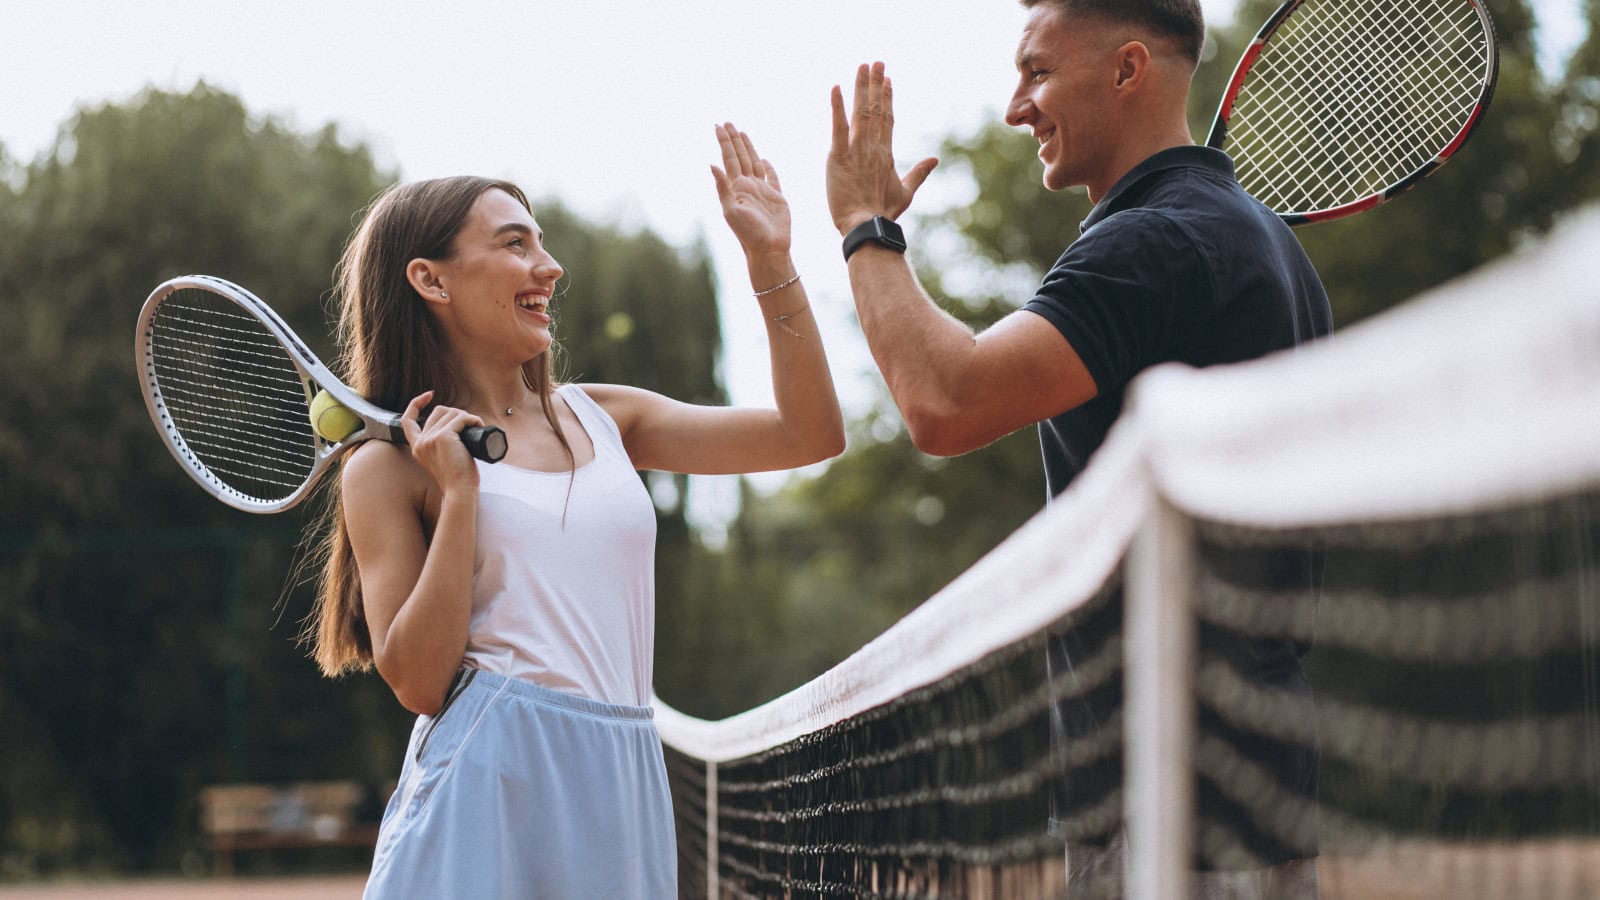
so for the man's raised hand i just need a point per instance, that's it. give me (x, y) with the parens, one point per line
(862, 181)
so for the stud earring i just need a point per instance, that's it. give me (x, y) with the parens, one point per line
(444, 295)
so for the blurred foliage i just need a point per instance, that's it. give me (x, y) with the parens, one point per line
(146, 631)
(136, 661)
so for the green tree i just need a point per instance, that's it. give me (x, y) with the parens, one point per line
(146, 631)
(1577, 134)
(135, 612)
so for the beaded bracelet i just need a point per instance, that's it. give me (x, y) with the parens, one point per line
(774, 290)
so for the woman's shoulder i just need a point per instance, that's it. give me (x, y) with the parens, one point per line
(380, 468)
(619, 401)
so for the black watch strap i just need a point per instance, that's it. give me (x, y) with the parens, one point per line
(878, 230)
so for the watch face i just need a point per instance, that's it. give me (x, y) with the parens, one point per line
(878, 230)
(890, 233)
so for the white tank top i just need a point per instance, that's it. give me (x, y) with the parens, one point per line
(569, 607)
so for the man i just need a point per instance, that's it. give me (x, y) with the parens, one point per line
(1175, 263)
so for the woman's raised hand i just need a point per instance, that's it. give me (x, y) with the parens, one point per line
(752, 199)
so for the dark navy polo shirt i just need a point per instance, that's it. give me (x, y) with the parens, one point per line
(1175, 263)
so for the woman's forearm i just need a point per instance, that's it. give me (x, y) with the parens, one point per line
(808, 406)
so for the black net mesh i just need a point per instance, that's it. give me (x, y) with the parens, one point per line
(1406, 709)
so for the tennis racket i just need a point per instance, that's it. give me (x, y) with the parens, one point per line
(1340, 105)
(231, 389)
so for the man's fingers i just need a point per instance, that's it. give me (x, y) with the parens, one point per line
(841, 125)
(888, 103)
(918, 174)
(875, 107)
(858, 115)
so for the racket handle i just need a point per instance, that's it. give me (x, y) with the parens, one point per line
(485, 442)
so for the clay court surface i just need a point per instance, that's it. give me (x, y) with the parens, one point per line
(346, 887)
(1551, 870)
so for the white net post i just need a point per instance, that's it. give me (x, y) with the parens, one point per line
(1160, 639)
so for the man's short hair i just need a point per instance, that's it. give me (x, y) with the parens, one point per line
(1179, 20)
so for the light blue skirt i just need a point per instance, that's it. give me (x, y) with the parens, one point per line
(519, 791)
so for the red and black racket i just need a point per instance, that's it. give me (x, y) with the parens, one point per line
(1340, 105)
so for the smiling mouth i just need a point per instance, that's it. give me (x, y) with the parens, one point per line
(539, 303)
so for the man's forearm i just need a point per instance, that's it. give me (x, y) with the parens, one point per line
(921, 350)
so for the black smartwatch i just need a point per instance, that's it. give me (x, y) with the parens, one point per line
(879, 230)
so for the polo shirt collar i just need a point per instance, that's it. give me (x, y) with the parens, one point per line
(1186, 156)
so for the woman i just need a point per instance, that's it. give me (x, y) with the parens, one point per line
(512, 605)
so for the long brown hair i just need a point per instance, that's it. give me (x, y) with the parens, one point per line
(390, 350)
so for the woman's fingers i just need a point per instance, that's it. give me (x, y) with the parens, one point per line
(730, 155)
(750, 154)
(724, 190)
(741, 150)
(445, 420)
(408, 419)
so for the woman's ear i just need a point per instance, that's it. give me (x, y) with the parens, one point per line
(425, 279)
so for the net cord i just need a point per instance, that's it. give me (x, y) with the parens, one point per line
(991, 605)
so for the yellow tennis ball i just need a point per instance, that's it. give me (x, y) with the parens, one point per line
(332, 421)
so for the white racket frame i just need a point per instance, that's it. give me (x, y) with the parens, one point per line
(376, 423)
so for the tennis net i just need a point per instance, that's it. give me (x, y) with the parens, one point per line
(1322, 624)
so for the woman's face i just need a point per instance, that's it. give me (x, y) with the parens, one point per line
(500, 278)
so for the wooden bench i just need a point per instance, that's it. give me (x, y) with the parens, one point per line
(264, 816)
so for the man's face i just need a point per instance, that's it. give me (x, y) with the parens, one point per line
(1066, 75)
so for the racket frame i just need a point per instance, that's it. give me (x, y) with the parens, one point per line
(376, 423)
(1219, 125)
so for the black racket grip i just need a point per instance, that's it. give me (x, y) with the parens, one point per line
(485, 442)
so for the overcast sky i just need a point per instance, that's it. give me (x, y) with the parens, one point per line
(608, 105)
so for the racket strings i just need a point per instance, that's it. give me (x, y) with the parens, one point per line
(1349, 98)
(232, 394)
(1376, 132)
(1371, 109)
